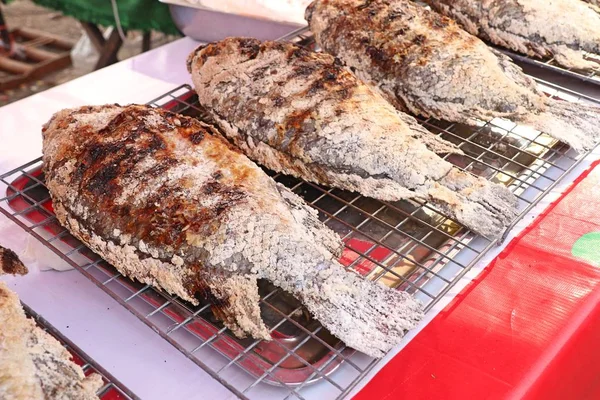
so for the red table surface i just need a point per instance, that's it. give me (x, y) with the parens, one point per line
(527, 328)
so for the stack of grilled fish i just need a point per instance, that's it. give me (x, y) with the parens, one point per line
(170, 202)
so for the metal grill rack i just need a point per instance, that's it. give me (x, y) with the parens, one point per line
(592, 76)
(407, 245)
(112, 389)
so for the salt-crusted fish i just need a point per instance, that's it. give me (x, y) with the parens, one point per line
(170, 203)
(424, 63)
(33, 365)
(303, 114)
(561, 29)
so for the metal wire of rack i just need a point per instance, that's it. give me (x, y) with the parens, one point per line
(112, 388)
(407, 245)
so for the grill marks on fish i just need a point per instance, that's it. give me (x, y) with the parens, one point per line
(313, 119)
(134, 146)
(113, 155)
(306, 82)
(424, 63)
(133, 156)
(297, 127)
(408, 56)
(210, 224)
(562, 29)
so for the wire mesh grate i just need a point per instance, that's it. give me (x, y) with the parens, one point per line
(406, 245)
(112, 389)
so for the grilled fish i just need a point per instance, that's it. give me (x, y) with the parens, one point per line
(424, 63)
(559, 29)
(303, 114)
(170, 203)
(33, 365)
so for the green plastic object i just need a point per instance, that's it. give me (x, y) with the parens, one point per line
(588, 248)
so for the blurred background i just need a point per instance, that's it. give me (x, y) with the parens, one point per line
(89, 27)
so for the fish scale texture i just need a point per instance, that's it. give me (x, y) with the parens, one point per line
(34, 365)
(424, 63)
(559, 29)
(170, 203)
(302, 113)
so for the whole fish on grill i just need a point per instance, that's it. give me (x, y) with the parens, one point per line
(559, 29)
(424, 63)
(301, 113)
(170, 203)
(34, 365)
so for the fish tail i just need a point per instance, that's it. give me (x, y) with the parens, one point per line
(236, 303)
(366, 316)
(482, 206)
(576, 124)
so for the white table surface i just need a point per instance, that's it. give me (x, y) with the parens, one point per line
(117, 340)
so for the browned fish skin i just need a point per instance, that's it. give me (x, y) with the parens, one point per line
(559, 29)
(168, 202)
(301, 113)
(10, 263)
(423, 62)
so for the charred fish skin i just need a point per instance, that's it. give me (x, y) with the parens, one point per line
(10, 263)
(559, 29)
(423, 62)
(303, 114)
(170, 203)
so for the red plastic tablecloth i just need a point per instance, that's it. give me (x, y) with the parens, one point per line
(527, 328)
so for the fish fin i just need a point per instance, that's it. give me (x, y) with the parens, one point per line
(432, 141)
(366, 316)
(574, 59)
(309, 217)
(480, 205)
(515, 72)
(576, 124)
(437, 145)
(237, 304)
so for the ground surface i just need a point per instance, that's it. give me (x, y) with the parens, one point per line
(24, 13)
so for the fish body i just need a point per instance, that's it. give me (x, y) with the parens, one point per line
(424, 63)
(560, 29)
(170, 203)
(302, 113)
(34, 365)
